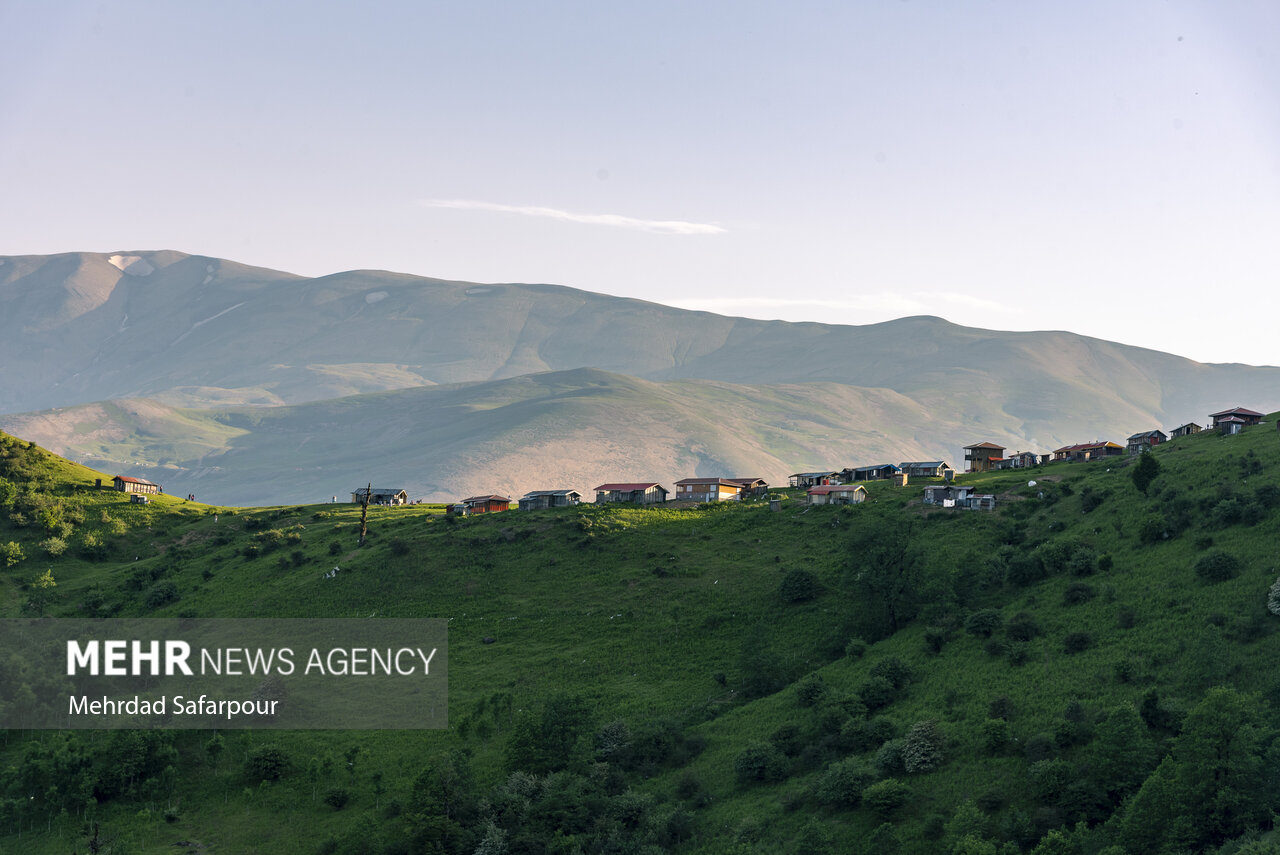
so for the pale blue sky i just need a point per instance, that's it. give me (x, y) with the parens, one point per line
(1108, 168)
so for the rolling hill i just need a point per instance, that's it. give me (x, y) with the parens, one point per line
(203, 372)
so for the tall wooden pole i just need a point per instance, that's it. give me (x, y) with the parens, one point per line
(364, 513)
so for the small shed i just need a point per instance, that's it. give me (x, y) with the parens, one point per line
(924, 468)
(640, 493)
(380, 496)
(1185, 430)
(486, 504)
(837, 494)
(815, 479)
(542, 499)
(125, 484)
(879, 472)
(948, 495)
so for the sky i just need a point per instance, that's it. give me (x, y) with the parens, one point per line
(1112, 169)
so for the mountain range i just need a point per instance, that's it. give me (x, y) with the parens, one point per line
(252, 386)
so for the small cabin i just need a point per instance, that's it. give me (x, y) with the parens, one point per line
(380, 496)
(486, 504)
(1139, 442)
(838, 494)
(1231, 421)
(1185, 430)
(708, 490)
(538, 500)
(752, 486)
(879, 472)
(815, 479)
(639, 493)
(125, 484)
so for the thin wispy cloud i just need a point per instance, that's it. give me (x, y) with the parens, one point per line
(668, 227)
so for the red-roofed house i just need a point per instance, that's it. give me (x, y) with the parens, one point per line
(125, 484)
(486, 504)
(840, 494)
(1088, 451)
(708, 490)
(640, 493)
(1231, 421)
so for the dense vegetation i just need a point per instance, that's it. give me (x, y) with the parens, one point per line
(1088, 669)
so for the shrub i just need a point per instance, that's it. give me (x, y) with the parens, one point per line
(995, 735)
(1153, 530)
(935, 638)
(161, 594)
(1217, 566)
(894, 670)
(877, 692)
(844, 781)
(1022, 627)
(398, 547)
(11, 552)
(760, 763)
(855, 648)
(984, 623)
(922, 748)
(336, 798)
(1076, 642)
(798, 586)
(889, 759)
(267, 763)
(1077, 593)
(335, 547)
(885, 797)
(53, 546)
(811, 690)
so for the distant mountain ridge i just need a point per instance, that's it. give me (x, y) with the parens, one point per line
(204, 338)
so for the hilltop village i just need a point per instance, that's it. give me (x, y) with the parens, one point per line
(823, 487)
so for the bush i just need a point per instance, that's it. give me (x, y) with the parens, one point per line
(335, 547)
(877, 692)
(1077, 593)
(53, 546)
(995, 736)
(811, 690)
(1076, 642)
(893, 669)
(855, 649)
(984, 623)
(267, 763)
(798, 586)
(760, 763)
(161, 594)
(889, 758)
(11, 552)
(1217, 566)
(844, 781)
(885, 797)
(336, 798)
(922, 748)
(1022, 627)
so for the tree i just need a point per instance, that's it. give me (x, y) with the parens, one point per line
(922, 748)
(885, 574)
(1146, 471)
(11, 552)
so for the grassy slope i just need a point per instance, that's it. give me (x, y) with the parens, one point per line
(637, 610)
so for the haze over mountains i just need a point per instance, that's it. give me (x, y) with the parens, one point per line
(247, 385)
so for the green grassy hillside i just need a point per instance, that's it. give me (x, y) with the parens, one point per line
(1086, 667)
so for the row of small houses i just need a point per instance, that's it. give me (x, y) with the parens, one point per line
(837, 487)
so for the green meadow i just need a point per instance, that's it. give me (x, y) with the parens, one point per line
(1054, 676)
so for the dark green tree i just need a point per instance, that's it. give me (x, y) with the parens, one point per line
(1145, 471)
